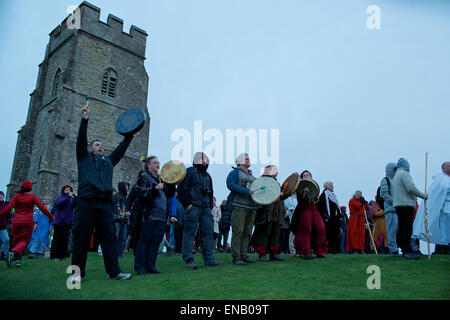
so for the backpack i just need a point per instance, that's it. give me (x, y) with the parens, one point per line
(380, 200)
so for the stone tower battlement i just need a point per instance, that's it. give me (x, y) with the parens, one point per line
(87, 19)
(84, 56)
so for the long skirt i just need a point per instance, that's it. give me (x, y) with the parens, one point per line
(21, 234)
(355, 232)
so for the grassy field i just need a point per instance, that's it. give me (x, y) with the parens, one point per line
(341, 277)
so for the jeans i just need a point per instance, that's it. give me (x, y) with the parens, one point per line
(152, 233)
(202, 217)
(392, 227)
(121, 236)
(5, 241)
(342, 242)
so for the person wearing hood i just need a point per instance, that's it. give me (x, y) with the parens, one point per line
(22, 225)
(64, 205)
(404, 201)
(41, 231)
(438, 212)
(242, 207)
(121, 216)
(268, 220)
(195, 192)
(5, 220)
(331, 214)
(153, 201)
(386, 194)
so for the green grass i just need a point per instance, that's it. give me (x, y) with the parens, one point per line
(339, 277)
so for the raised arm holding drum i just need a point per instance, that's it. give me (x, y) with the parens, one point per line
(95, 172)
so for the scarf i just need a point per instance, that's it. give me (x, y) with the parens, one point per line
(330, 195)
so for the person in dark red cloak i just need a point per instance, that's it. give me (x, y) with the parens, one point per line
(356, 224)
(308, 226)
(22, 224)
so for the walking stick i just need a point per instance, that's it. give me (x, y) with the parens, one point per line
(425, 202)
(370, 231)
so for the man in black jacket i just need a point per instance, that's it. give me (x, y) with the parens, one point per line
(196, 194)
(95, 205)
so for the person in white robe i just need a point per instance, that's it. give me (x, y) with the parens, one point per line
(438, 210)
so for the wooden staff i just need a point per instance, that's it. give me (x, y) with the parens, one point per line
(425, 203)
(370, 231)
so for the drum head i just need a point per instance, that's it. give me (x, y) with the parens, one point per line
(290, 185)
(130, 121)
(173, 172)
(266, 191)
(313, 187)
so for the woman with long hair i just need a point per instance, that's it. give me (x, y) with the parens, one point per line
(22, 224)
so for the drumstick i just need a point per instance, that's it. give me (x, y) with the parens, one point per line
(88, 99)
(260, 188)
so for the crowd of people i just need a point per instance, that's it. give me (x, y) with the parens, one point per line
(148, 215)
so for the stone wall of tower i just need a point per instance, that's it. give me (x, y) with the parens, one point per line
(82, 56)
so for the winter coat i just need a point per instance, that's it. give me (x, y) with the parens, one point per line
(196, 188)
(225, 220)
(23, 203)
(64, 205)
(405, 192)
(5, 219)
(239, 182)
(217, 214)
(95, 172)
(154, 203)
(120, 200)
(386, 190)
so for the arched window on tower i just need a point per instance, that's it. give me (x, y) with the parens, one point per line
(57, 82)
(109, 83)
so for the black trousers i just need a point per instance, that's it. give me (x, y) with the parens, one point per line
(95, 213)
(332, 232)
(60, 242)
(405, 225)
(284, 241)
(178, 235)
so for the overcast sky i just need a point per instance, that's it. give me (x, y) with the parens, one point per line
(346, 100)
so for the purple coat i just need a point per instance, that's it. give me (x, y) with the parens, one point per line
(64, 210)
(5, 219)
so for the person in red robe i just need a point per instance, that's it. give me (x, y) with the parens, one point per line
(22, 224)
(308, 225)
(356, 224)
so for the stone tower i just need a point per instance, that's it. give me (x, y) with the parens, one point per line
(84, 56)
